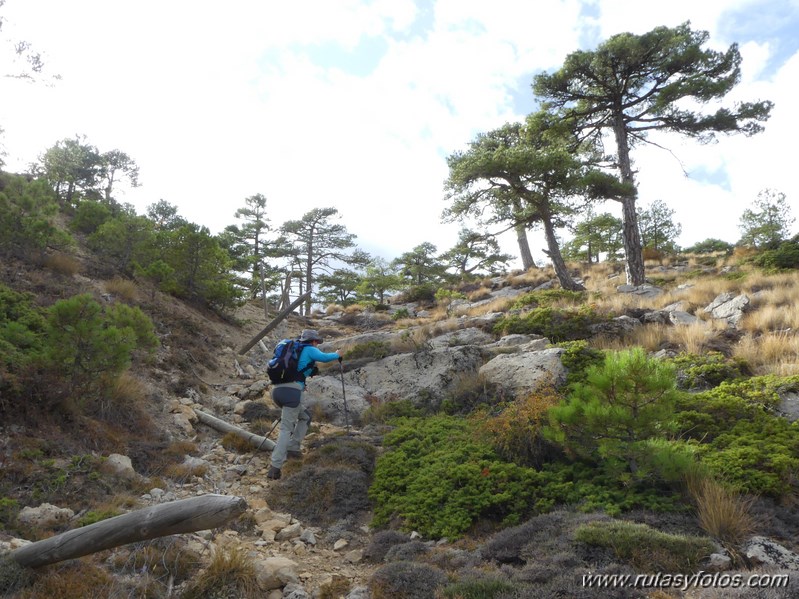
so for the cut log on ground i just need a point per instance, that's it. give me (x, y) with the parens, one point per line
(175, 517)
(276, 321)
(215, 423)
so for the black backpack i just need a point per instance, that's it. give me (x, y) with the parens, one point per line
(282, 368)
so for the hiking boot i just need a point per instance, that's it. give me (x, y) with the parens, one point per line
(273, 474)
(294, 454)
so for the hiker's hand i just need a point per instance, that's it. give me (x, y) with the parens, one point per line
(339, 359)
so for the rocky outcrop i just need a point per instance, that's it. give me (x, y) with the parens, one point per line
(729, 307)
(765, 552)
(522, 372)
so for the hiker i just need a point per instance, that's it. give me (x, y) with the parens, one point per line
(294, 416)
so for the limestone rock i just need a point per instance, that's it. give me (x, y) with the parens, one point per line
(276, 573)
(764, 551)
(44, 516)
(524, 371)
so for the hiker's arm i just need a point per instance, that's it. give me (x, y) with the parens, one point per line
(320, 356)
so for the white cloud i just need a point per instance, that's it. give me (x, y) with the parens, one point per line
(220, 102)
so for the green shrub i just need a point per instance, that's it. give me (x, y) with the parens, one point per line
(645, 548)
(400, 314)
(785, 256)
(547, 297)
(739, 436)
(613, 416)
(555, 324)
(438, 480)
(703, 371)
(578, 357)
(89, 215)
(426, 292)
(385, 411)
(371, 349)
(9, 508)
(91, 517)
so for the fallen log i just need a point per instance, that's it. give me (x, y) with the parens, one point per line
(175, 517)
(275, 321)
(215, 423)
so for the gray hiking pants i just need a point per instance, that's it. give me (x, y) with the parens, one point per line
(294, 421)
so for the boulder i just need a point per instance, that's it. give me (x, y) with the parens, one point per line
(728, 307)
(119, 465)
(644, 290)
(764, 551)
(413, 376)
(276, 572)
(789, 405)
(522, 372)
(44, 516)
(467, 336)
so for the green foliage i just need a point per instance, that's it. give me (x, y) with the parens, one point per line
(438, 480)
(612, 417)
(578, 357)
(400, 314)
(90, 215)
(386, 411)
(92, 517)
(703, 371)
(69, 354)
(646, 548)
(740, 438)
(27, 218)
(548, 297)
(710, 246)
(425, 292)
(768, 222)
(555, 324)
(785, 256)
(9, 508)
(370, 349)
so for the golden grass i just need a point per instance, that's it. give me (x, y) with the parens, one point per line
(123, 288)
(770, 353)
(62, 264)
(722, 513)
(771, 317)
(231, 573)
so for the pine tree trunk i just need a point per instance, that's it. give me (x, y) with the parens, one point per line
(632, 238)
(558, 263)
(524, 247)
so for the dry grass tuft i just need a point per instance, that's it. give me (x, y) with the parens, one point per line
(184, 472)
(231, 573)
(771, 353)
(235, 443)
(62, 264)
(123, 288)
(723, 514)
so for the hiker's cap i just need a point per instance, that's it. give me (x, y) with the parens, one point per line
(310, 335)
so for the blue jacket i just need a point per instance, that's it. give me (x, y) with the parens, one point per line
(308, 356)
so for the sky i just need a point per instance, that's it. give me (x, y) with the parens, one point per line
(356, 104)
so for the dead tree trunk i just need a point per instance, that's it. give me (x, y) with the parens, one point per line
(215, 423)
(176, 517)
(276, 321)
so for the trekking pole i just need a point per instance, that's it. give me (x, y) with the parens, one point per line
(344, 395)
(266, 436)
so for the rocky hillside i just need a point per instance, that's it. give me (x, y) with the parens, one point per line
(309, 534)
